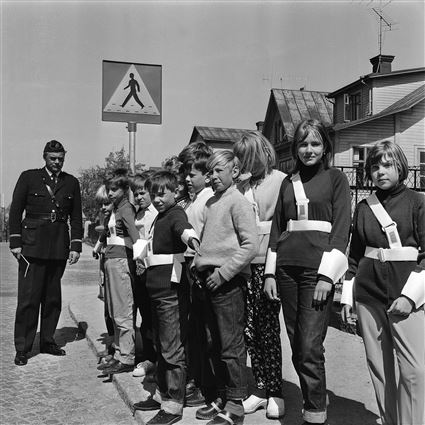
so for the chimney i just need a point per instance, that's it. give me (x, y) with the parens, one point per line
(381, 64)
(260, 125)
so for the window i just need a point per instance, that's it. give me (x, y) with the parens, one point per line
(278, 131)
(359, 159)
(352, 105)
(421, 155)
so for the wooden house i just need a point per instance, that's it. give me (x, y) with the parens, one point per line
(286, 109)
(382, 105)
(216, 137)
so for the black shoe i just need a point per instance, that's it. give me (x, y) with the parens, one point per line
(21, 358)
(194, 398)
(210, 411)
(118, 368)
(149, 404)
(107, 364)
(226, 418)
(52, 349)
(164, 418)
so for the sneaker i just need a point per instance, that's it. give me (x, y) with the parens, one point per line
(194, 398)
(253, 403)
(275, 408)
(210, 411)
(164, 418)
(144, 368)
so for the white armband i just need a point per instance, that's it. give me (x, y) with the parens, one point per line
(140, 249)
(187, 234)
(270, 267)
(333, 265)
(97, 247)
(414, 288)
(347, 296)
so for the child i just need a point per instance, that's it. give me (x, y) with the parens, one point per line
(168, 289)
(229, 243)
(306, 256)
(262, 332)
(121, 237)
(102, 199)
(387, 263)
(145, 217)
(195, 170)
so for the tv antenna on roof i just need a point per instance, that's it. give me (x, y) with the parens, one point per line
(385, 23)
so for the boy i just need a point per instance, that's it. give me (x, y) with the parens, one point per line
(229, 243)
(145, 216)
(168, 288)
(199, 370)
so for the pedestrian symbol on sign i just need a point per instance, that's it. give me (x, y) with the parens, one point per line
(134, 87)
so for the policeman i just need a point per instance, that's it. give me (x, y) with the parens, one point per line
(42, 244)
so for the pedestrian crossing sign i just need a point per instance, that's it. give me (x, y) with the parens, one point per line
(131, 92)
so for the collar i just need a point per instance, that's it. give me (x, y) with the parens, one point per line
(50, 173)
(391, 193)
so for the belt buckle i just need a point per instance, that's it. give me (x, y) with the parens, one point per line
(53, 216)
(381, 255)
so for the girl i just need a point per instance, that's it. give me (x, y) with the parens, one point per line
(387, 261)
(308, 239)
(260, 184)
(121, 236)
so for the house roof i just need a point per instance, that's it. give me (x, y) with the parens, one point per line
(216, 134)
(372, 76)
(405, 103)
(297, 105)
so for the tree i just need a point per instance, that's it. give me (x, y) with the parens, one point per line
(93, 177)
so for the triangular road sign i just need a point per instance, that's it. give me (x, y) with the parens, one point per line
(131, 96)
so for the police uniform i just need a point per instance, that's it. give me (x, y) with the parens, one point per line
(49, 230)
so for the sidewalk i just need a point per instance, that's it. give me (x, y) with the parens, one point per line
(352, 400)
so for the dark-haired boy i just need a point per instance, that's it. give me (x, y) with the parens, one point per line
(168, 288)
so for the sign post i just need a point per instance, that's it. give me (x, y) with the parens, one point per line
(131, 93)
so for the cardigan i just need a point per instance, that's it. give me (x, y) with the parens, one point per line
(379, 282)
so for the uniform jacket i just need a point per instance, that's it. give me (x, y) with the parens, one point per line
(42, 237)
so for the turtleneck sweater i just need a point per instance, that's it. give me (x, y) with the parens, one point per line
(329, 200)
(382, 282)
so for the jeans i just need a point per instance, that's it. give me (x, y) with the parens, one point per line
(170, 307)
(225, 320)
(306, 327)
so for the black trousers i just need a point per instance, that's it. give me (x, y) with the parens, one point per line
(39, 288)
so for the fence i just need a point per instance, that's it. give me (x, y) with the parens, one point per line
(361, 188)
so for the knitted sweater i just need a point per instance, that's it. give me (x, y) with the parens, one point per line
(329, 200)
(377, 282)
(229, 239)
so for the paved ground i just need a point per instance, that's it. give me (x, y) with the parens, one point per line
(68, 390)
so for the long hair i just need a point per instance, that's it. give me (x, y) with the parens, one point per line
(317, 129)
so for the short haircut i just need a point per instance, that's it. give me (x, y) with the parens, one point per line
(161, 180)
(222, 157)
(138, 182)
(198, 161)
(101, 195)
(386, 148)
(172, 164)
(190, 150)
(119, 177)
(316, 128)
(256, 154)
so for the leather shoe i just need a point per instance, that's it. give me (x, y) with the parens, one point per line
(210, 411)
(194, 398)
(164, 418)
(52, 349)
(21, 358)
(145, 405)
(226, 418)
(107, 364)
(118, 368)
(275, 408)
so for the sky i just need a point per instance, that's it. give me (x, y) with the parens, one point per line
(219, 61)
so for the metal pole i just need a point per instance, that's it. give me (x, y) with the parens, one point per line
(132, 145)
